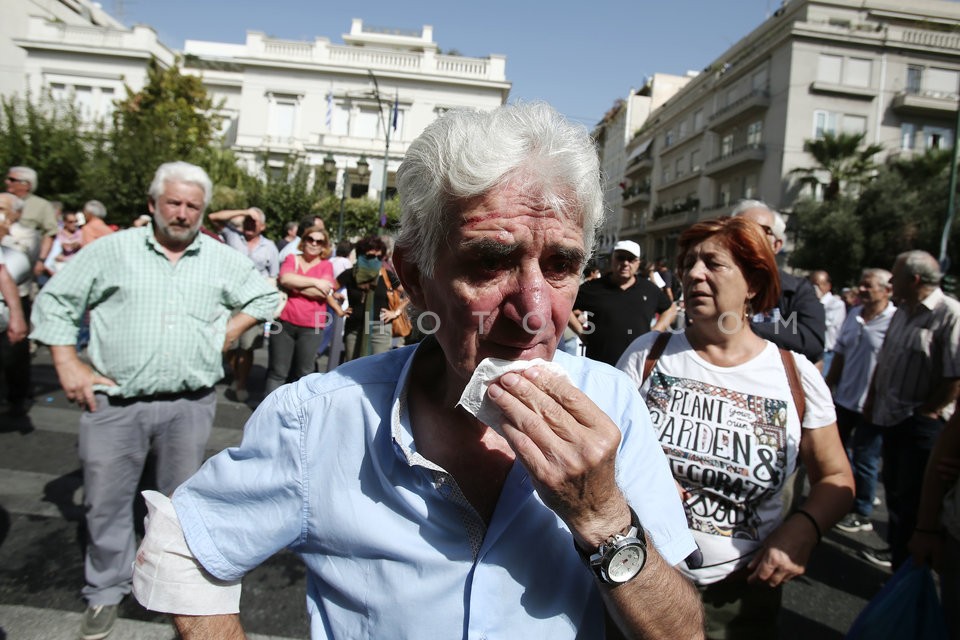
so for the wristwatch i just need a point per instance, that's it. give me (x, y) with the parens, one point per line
(621, 557)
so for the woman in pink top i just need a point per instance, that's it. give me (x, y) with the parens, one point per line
(309, 282)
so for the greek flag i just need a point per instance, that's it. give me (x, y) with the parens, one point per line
(330, 110)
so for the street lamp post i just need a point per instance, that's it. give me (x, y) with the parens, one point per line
(363, 168)
(386, 150)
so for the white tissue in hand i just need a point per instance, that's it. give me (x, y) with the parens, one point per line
(474, 397)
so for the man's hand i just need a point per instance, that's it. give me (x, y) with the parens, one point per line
(76, 377)
(17, 328)
(568, 446)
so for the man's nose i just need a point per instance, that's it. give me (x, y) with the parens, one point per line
(529, 303)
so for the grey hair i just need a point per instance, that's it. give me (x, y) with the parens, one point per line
(467, 153)
(95, 208)
(779, 226)
(921, 263)
(181, 171)
(15, 201)
(25, 173)
(882, 275)
(263, 216)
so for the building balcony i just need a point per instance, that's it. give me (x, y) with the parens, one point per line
(636, 196)
(842, 90)
(686, 177)
(641, 165)
(756, 100)
(925, 103)
(750, 153)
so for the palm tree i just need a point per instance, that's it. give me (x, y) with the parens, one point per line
(839, 156)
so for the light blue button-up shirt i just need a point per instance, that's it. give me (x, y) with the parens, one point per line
(328, 467)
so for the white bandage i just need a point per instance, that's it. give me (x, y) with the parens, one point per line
(474, 397)
(166, 576)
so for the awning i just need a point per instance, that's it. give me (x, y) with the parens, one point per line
(636, 153)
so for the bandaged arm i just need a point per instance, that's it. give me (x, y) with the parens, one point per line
(166, 576)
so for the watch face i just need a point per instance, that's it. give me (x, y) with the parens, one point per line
(626, 562)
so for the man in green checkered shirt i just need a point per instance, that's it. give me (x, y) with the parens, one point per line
(160, 299)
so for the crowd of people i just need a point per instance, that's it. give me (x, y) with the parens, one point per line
(674, 443)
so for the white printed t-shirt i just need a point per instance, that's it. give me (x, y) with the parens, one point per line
(732, 437)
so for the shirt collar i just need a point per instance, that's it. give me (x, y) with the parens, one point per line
(401, 430)
(194, 246)
(933, 299)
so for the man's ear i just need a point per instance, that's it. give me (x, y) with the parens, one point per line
(410, 277)
(150, 206)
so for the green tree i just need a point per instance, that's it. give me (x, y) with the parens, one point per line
(53, 139)
(831, 237)
(171, 118)
(904, 207)
(841, 158)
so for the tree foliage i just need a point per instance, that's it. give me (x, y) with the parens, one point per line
(904, 207)
(171, 118)
(841, 158)
(53, 139)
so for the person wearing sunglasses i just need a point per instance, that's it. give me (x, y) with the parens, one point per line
(308, 279)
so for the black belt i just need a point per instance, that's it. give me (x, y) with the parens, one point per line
(117, 401)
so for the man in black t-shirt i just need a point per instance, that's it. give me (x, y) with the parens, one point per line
(619, 307)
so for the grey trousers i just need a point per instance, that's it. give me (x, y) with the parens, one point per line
(113, 445)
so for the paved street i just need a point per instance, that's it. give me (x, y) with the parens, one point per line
(41, 568)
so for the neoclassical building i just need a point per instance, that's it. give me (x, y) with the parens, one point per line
(281, 99)
(319, 99)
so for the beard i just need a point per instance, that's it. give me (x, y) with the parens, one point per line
(176, 234)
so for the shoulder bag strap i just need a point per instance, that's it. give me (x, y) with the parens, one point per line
(793, 378)
(654, 354)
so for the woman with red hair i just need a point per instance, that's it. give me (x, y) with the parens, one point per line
(734, 414)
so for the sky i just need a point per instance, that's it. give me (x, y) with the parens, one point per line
(580, 56)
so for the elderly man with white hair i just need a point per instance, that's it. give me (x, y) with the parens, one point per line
(479, 484)
(38, 213)
(95, 225)
(798, 322)
(164, 302)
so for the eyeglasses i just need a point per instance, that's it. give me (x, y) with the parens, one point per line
(312, 240)
(20, 180)
(625, 257)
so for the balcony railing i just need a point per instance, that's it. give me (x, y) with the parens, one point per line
(753, 101)
(925, 102)
(426, 62)
(736, 157)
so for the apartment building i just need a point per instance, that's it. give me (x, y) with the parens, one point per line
(612, 134)
(737, 130)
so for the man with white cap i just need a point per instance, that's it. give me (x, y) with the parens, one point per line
(619, 306)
